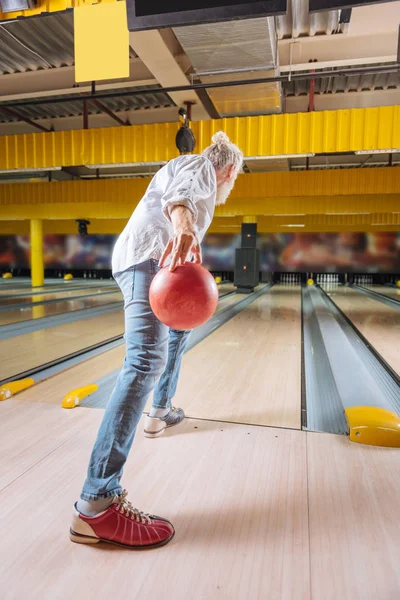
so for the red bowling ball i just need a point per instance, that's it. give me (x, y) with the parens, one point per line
(185, 298)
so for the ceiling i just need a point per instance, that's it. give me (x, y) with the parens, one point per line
(51, 109)
(37, 64)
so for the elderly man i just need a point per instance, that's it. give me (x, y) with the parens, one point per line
(168, 225)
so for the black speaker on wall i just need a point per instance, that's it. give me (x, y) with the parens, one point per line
(249, 235)
(247, 269)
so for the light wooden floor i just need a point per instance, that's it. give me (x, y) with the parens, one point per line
(379, 323)
(95, 298)
(385, 290)
(45, 296)
(260, 513)
(216, 381)
(54, 389)
(249, 370)
(27, 351)
(57, 308)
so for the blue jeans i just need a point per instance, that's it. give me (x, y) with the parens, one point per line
(152, 361)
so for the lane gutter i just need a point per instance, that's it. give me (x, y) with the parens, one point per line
(342, 368)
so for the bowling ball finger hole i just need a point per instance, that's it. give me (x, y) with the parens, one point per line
(358, 433)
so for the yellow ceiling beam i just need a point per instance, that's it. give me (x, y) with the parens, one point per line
(101, 226)
(309, 223)
(256, 194)
(359, 129)
(115, 209)
(49, 6)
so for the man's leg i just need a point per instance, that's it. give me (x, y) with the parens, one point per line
(146, 354)
(104, 513)
(162, 414)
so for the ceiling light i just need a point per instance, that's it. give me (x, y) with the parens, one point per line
(385, 151)
(287, 215)
(308, 155)
(293, 225)
(346, 214)
(131, 164)
(33, 170)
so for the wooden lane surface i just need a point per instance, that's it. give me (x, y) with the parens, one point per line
(249, 370)
(225, 288)
(379, 323)
(354, 497)
(45, 296)
(64, 306)
(385, 290)
(237, 498)
(50, 285)
(32, 350)
(54, 389)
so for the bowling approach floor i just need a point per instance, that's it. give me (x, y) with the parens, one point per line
(262, 508)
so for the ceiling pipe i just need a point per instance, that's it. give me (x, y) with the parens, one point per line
(85, 115)
(219, 84)
(20, 117)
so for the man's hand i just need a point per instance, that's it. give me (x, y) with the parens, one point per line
(183, 241)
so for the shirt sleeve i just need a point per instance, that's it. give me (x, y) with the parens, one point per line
(192, 183)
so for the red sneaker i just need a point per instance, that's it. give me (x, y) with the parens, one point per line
(123, 525)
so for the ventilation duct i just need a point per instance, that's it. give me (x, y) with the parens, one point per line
(235, 50)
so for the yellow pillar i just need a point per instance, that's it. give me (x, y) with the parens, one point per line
(37, 263)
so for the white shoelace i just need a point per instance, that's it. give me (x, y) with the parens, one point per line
(126, 508)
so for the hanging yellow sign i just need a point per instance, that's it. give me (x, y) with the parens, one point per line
(101, 42)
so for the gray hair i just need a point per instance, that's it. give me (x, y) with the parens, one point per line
(223, 153)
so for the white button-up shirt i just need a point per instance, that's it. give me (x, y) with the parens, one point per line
(188, 180)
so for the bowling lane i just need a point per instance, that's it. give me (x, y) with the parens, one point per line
(20, 292)
(226, 288)
(24, 284)
(45, 296)
(64, 306)
(379, 323)
(32, 350)
(81, 291)
(385, 290)
(53, 390)
(249, 370)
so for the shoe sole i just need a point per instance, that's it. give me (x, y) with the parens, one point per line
(155, 434)
(151, 434)
(78, 538)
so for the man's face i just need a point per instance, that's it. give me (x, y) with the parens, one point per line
(225, 186)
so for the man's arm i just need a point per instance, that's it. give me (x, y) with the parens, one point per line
(184, 238)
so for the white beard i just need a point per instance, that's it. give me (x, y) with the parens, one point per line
(224, 190)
